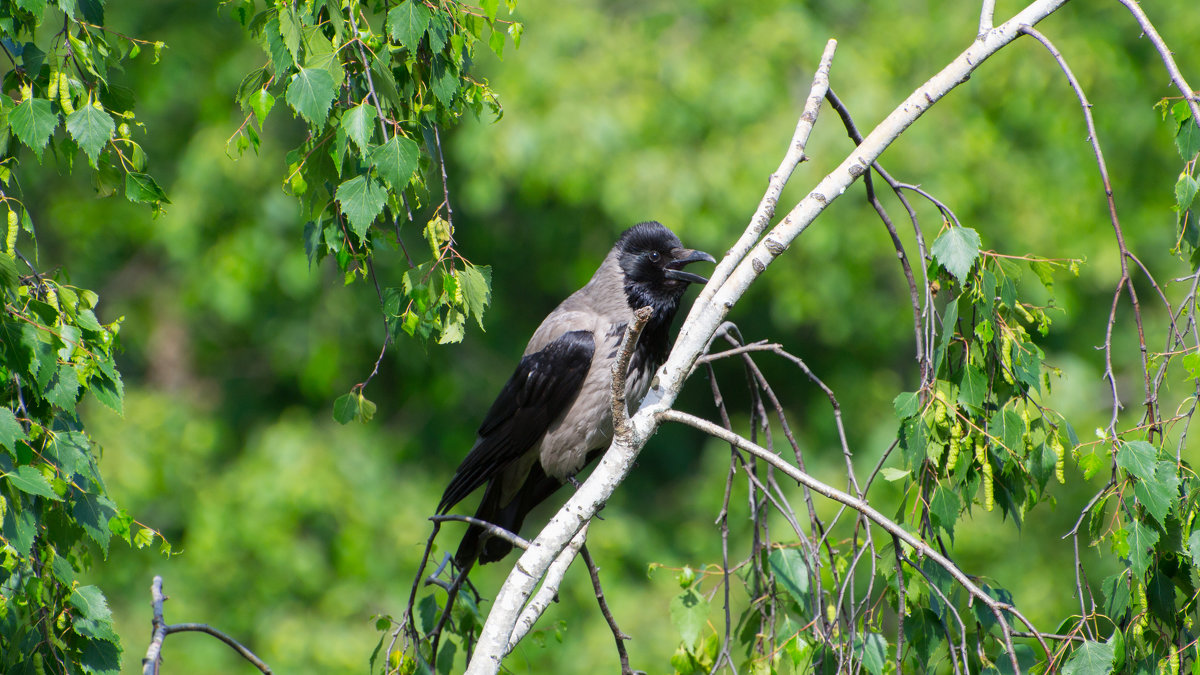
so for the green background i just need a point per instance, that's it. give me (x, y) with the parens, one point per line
(294, 531)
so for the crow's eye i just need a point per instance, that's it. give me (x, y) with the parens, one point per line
(653, 256)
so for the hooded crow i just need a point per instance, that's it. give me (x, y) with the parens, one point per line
(553, 416)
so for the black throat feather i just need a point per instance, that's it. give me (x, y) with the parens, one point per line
(653, 344)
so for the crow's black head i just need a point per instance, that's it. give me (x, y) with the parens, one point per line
(652, 261)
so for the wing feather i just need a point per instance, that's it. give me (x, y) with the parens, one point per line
(536, 395)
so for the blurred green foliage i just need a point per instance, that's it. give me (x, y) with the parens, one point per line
(293, 531)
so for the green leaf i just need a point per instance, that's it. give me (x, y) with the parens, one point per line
(924, 631)
(689, 613)
(281, 58)
(395, 161)
(289, 30)
(344, 408)
(353, 406)
(1159, 494)
(20, 528)
(320, 53)
(944, 509)
(949, 320)
(261, 103)
(11, 430)
(91, 127)
(8, 273)
(872, 650)
(1116, 596)
(141, 188)
(366, 409)
(28, 479)
(92, 512)
(1141, 541)
(1187, 139)
(94, 618)
(101, 657)
(1160, 596)
(496, 42)
(109, 390)
(792, 570)
(477, 289)
(33, 121)
(310, 93)
(956, 249)
(1193, 547)
(64, 388)
(454, 327)
(358, 123)
(444, 82)
(1092, 461)
(408, 23)
(1138, 458)
(1092, 658)
(361, 199)
(906, 404)
(1185, 192)
(1044, 272)
(489, 8)
(892, 475)
(972, 389)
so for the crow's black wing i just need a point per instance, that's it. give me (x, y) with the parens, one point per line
(535, 396)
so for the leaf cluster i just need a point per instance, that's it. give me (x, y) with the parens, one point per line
(55, 510)
(68, 96)
(373, 83)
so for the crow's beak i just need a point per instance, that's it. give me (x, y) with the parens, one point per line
(684, 256)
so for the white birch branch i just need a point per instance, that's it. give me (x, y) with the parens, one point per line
(730, 281)
(545, 595)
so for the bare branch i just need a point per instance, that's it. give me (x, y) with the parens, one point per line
(549, 589)
(153, 656)
(985, 16)
(795, 154)
(860, 505)
(1168, 60)
(619, 635)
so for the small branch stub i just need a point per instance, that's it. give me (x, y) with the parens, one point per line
(620, 372)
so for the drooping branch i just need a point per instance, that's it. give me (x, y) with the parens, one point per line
(1164, 52)
(861, 506)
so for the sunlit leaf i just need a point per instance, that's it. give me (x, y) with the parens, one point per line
(1091, 658)
(140, 187)
(408, 22)
(92, 128)
(359, 123)
(395, 161)
(361, 199)
(29, 479)
(689, 613)
(261, 103)
(956, 250)
(476, 283)
(1138, 458)
(310, 93)
(33, 121)
(1142, 539)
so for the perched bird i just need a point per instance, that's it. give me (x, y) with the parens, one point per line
(553, 416)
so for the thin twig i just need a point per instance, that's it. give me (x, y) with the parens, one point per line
(619, 635)
(161, 630)
(860, 505)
